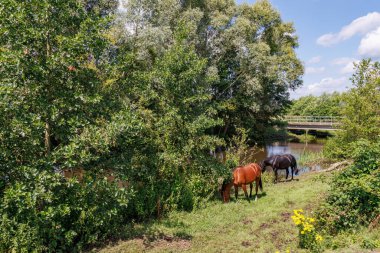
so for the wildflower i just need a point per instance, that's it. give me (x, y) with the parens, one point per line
(318, 238)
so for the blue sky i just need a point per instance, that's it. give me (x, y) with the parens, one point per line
(332, 34)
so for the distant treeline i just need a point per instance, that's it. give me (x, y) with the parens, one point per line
(323, 105)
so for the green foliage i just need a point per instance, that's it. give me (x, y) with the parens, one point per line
(361, 115)
(47, 213)
(324, 105)
(144, 96)
(308, 236)
(354, 198)
(53, 62)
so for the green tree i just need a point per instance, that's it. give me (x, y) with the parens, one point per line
(54, 64)
(250, 53)
(324, 105)
(361, 115)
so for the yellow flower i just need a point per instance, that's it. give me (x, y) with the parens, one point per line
(318, 238)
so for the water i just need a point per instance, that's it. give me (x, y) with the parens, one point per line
(278, 148)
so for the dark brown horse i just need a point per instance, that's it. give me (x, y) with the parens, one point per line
(242, 176)
(281, 162)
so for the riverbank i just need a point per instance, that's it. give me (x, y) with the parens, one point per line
(240, 226)
(262, 226)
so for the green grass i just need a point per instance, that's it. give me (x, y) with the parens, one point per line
(261, 226)
(238, 226)
(308, 158)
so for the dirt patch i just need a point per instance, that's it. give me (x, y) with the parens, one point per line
(247, 221)
(167, 242)
(178, 245)
(274, 235)
(246, 243)
(264, 226)
(285, 216)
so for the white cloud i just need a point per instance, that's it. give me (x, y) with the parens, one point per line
(346, 63)
(314, 60)
(348, 68)
(314, 70)
(362, 25)
(326, 85)
(370, 44)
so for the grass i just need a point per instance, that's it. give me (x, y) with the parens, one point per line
(242, 226)
(309, 158)
(262, 226)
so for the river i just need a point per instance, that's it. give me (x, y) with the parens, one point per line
(277, 148)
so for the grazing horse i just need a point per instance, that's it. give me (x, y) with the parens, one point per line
(281, 162)
(242, 176)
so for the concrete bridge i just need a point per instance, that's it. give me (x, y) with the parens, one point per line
(323, 123)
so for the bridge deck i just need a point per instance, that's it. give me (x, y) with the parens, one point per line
(313, 122)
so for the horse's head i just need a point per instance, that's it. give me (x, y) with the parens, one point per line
(225, 190)
(263, 166)
(296, 171)
(266, 162)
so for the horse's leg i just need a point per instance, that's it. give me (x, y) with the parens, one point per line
(275, 175)
(245, 190)
(236, 191)
(287, 174)
(292, 168)
(250, 190)
(257, 186)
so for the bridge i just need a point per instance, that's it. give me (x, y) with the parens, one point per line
(323, 123)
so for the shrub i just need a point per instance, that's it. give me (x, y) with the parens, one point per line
(354, 198)
(50, 213)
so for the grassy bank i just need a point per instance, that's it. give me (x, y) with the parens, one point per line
(262, 226)
(239, 226)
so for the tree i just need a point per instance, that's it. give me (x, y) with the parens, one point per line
(362, 103)
(53, 68)
(249, 51)
(324, 105)
(361, 115)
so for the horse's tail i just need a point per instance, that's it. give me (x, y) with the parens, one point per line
(296, 170)
(261, 184)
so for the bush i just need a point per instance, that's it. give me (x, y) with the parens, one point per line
(354, 198)
(50, 213)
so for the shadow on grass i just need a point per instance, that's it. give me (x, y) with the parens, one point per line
(148, 233)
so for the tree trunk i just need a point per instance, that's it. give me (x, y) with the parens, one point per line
(47, 138)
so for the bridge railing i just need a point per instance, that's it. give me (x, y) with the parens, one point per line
(313, 120)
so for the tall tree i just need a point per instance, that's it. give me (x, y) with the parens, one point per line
(250, 52)
(361, 114)
(53, 66)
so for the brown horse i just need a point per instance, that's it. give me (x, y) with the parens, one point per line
(242, 176)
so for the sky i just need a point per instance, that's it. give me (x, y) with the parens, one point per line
(332, 35)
